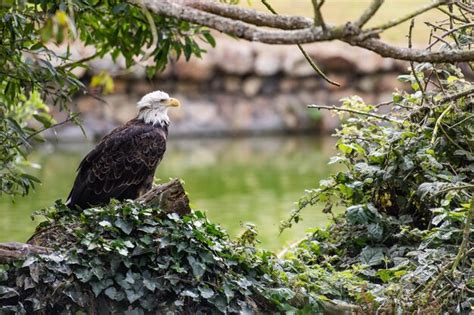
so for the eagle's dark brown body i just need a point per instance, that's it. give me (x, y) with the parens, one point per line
(121, 166)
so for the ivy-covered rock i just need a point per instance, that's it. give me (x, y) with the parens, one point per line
(124, 258)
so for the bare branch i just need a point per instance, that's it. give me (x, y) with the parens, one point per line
(412, 64)
(283, 22)
(418, 55)
(440, 38)
(456, 96)
(318, 17)
(354, 111)
(247, 28)
(235, 27)
(315, 66)
(305, 54)
(411, 15)
(369, 13)
(452, 16)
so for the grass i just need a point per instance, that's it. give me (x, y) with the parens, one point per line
(341, 11)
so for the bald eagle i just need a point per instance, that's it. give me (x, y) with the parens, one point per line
(123, 163)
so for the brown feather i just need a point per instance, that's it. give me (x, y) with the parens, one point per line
(121, 165)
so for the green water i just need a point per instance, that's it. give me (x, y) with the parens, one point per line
(233, 180)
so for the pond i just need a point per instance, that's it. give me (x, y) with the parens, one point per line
(237, 180)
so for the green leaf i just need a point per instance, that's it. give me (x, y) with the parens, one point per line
(206, 292)
(125, 226)
(6, 292)
(372, 256)
(210, 39)
(197, 267)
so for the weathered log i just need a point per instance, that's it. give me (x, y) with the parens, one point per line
(10, 252)
(169, 197)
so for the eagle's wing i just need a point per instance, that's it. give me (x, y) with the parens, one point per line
(119, 165)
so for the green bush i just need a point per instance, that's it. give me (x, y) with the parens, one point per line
(407, 189)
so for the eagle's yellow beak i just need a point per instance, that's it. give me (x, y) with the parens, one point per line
(172, 102)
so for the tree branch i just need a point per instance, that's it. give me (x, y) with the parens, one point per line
(418, 55)
(318, 17)
(305, 54)
(353, 111)
(411, 15)
(283, 22)
(244, 23)
(369, 13)
(456, 96)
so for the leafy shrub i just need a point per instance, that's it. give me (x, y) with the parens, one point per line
(407, 189)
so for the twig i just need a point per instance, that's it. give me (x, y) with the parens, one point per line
(448, 32)
(318, 17)
(410, 16)
(460, 187)
(305, 54)
(456, 96)
(454, 17)
(462, 121)
(369, 13)
(440, 39)
(465, 237)
(154, 32)
(464, 7)
(77, 62)
(438, 122)
(383, 104)
(354, 111)
(70, 118)
(449, 138)
(315, 67)
(269, 7)
(412, 64)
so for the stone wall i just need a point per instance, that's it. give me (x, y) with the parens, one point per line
(243, 88)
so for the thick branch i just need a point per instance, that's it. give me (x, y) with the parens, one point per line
(418, 55)
(284, 22)
(354, 36)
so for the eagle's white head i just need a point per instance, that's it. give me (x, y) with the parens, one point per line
(153, 107)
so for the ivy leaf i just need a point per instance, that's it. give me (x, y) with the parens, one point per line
(6, 292)
(206, 292)
(125, 226)
(371, 256)
(190, 294)
(197, 267)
